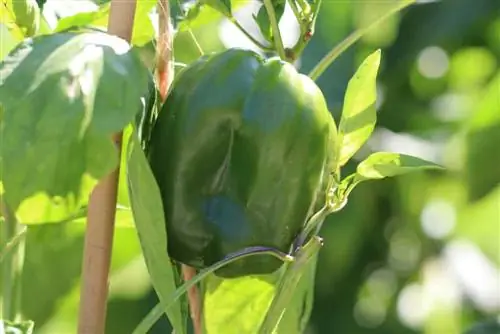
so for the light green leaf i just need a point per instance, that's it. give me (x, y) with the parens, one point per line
(238, 305)
(149, 219)
(63, 97)
(23, 327)
(245, 304)
(8, 41)
(27, 16)
(8, 19)
(359, 114)
(386, 164)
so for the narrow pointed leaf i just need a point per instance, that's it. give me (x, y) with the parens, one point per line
(148, 215)
(359, 114)
(386, 164)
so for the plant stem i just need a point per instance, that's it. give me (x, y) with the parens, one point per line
(287, 285)
(101, 213)
(323, 64)
(296, 13)
(249, 36)
(12, 265)
(278, 42)
(155, 314)
(188, 274)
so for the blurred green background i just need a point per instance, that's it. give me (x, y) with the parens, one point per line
(414, 254)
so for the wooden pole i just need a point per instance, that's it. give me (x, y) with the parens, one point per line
(101, 213)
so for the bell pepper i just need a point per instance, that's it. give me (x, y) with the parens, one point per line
(241, 152)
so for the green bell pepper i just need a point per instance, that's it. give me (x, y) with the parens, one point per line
(242, 151)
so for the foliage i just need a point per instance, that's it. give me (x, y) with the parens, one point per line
(392, 105)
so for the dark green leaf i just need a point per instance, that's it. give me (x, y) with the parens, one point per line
(23, 327)
(63, 96)
(386, 164)
(297, 315)
(148, 215)
(359, 114)
(263, 22)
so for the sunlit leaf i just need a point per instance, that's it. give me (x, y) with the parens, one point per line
(359, 114)
(8, 19)
(386, 164)
(148, 215)
(8, 41)
(63, 97)
(27, 16)
(239, 303)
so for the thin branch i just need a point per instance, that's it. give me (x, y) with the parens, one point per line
(101, 211)
(327, 60)
(278, 42)
(249, 36)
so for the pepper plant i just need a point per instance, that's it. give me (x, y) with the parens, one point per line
(234, 174)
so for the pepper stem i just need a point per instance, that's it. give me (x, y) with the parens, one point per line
(158, 311)
(278, 42)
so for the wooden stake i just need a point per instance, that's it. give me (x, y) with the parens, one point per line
(101, 213)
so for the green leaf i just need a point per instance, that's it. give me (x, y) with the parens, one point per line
(148, 215)
(23, 327)
(262, 18)
(380, 165)
(239, 303)
(287, 287)
(245, 302)
(359, 114)
(63, 97)
(27, 16)
(8, 19)
(297, 314)
(8, 41)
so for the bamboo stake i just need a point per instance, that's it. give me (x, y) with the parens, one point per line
(101, 213)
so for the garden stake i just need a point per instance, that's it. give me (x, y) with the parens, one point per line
(101, 213)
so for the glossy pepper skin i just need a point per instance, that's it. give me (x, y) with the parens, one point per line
(241, 152)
